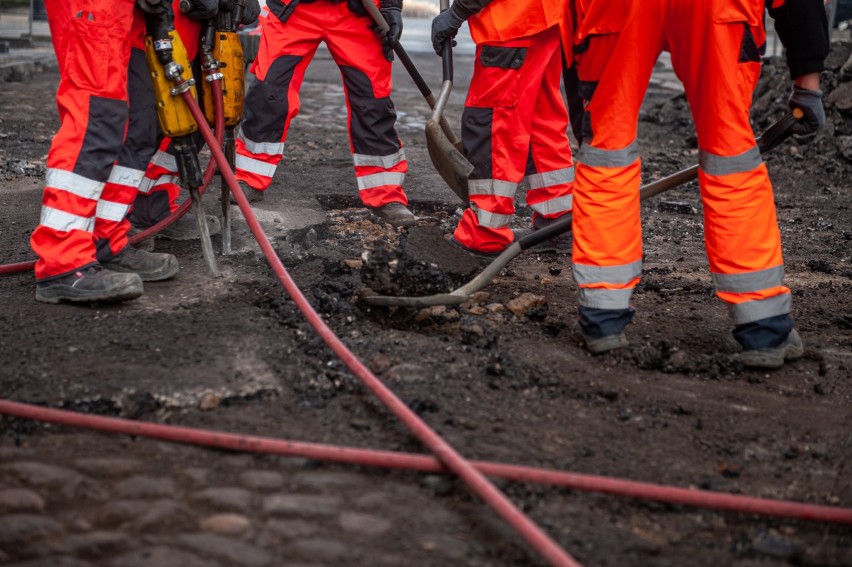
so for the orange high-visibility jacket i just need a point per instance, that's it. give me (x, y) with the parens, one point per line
(504, 20)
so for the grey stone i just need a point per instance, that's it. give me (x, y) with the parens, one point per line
(20, 500)
(226, 524)
(197, 475)
(262, 480)
(93, 544)
(363, 524)
(165, 515)
(303, 504)
(141, 486)
(40, 474)
(20, 528)
(321, 480)
(225, 498)
(292, 528)
(120, 511)
(321, 549)
(228, 550)
(449, 547)
(161, 556)
(108, 467)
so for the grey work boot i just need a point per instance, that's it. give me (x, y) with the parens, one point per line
(252, 195)
(90, 284)
(150, 266)
(791, 349)
(561, 242)
(395, 214)
(606, 343)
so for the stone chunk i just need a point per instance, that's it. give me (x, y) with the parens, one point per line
(226, 524)
(20, 500)
(364, 524)
(262, 480)
(146, 487)
(525, 303)
(225, 498)
(303, 504)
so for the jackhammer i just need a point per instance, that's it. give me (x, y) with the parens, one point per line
(169, 67)
(221, 50)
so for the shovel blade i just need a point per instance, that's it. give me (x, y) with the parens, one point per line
(448, 160)
(425, 301)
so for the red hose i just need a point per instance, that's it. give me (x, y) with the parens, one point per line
(423, 463)
(181, 210)
(528, 530)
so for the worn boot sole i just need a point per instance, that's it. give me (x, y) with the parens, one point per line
(166, 271)
(57, 295)
(772, 358)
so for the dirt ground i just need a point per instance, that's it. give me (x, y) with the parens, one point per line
(501, 380)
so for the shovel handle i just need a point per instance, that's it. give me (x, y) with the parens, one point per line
(770, 139)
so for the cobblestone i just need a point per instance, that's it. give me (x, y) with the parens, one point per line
(146, 487)
(20, 500)
(238, 499)
(226, 524)
(364, 524)
(161, 556)
(108, 468)
(303, 504)
(21, 528)
(228, 550)
(262, 480)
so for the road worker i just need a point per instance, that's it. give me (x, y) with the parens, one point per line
(81, 239)
(616, 45)
(514, 121)
(291, 36)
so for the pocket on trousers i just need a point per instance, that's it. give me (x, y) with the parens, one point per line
(497, 77)
(730, 11)
(89, 52)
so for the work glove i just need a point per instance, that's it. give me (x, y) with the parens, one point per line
(392, 12)
(251, 12)
(357, 8)
(811, 104)
(444, 27)
(149, 6)
(199, 9)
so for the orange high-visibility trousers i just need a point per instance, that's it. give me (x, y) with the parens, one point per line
(715, 50)
(91, 40)
(514, 133)
(273, 100)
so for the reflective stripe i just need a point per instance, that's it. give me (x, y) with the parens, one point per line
(585, 275)
(494, 187)
(269, 148)
(380, 180)
(164, 160)
(111, 211)
(63, 222)
(254, 166)
(491, 220)
(599, 298)
(386, 162)
(74, 184)
(148, 184)
(597, 157)
(553, 206)
(126, 176)
(760, 308)
(749, 281)
(713, 164)
(549, 178)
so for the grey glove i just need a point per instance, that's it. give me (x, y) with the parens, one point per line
(251, 11)
(357, 8)
(811, 104)
(199, 9)
(445, 26)
(149, 6)
(392, 12)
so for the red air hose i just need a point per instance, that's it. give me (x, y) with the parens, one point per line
(181, 210)
(423, 463)
(528, 530)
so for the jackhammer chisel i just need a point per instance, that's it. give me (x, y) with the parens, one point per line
(223, 53)
(170, 70)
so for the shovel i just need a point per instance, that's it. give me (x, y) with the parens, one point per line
(445, 149)
(772, 137)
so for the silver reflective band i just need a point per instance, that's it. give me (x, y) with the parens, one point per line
(74, 184)
(126, 176)
(749, 281)
(549, 178)
(491, 220)
(490, 187)
(596, 157)
(63, 222)
(269, 148)
(625, 273)
(164, 160)
(605, 298)
(254, 166)
(713, 164)
(759, 309)
(553, 206)
(380, 180)
(385, 162)
(111, 211)
(148, 184)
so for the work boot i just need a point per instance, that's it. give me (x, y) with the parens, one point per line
(791, 349)
(395, 214)
(148, 245)
(603, 329)
(561, 242)
(600, 345)
(252, 195)
(90, 284)
(483, 258)
(150, 266)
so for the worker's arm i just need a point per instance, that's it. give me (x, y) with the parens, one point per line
(446, 25)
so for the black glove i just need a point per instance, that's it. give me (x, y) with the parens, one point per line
(357, 8)
(392, 12)
(251, 12)
(149, 6)
(811, 104)
(444, 27)
(199, 9)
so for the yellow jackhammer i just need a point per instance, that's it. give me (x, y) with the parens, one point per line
(169, 67)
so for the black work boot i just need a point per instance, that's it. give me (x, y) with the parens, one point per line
(395, 214)
(90, 284)
(252, 195)
(150, 266)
